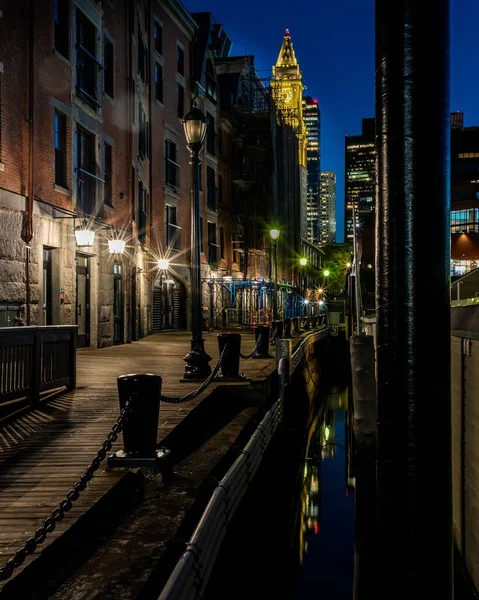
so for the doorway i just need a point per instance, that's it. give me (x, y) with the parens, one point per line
(168, 304)
(117, 305)
(47, 286)
(83, 301)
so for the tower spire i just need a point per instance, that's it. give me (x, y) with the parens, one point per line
(286, 57)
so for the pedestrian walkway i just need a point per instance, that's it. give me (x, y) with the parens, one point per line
(43, 453)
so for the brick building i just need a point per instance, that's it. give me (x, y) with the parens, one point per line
(90, 138)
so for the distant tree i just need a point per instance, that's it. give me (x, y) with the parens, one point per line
(335, 260)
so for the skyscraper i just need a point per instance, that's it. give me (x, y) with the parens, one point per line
(360, 184)
(328, 207)
(312, 119)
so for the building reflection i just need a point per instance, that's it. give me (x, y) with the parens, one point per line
(323, 446)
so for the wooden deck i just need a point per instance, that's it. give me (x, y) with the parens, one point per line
(44, 452)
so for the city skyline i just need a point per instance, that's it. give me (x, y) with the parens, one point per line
(335, 47)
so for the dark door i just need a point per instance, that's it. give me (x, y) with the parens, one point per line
(83, 301)
(47, 286)
(117, 305)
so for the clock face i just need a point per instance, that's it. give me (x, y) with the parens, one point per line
(288, 95)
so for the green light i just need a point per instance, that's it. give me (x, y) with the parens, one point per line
(303, 261)
(326, 273)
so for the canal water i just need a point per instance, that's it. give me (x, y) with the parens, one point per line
(325, 526)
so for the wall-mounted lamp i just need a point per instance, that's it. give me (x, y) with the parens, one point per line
(116, 246)
(85, 237)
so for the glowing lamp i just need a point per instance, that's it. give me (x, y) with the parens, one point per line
(274, 233)
(84, 237)
(303, 261)
(163, 264)
(116, 246)
(326, 273)
(306, 301)
(195, 124)
(321, 302)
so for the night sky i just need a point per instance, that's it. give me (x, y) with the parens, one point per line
(334, 44)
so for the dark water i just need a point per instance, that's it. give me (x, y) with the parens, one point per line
(326, 518)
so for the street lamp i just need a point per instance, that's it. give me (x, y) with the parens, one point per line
(197, 361)
(163, 264)
(303, 261)
(274, 234)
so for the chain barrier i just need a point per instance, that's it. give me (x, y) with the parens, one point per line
(66, 504)
(256, 347)
(203, 386)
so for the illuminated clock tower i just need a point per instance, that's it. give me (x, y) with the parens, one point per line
(287, 94)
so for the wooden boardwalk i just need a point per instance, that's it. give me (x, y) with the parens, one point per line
(44, 452)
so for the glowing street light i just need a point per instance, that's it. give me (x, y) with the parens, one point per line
(274, 234)
(303, 261)
(326, 273)
(163, 264)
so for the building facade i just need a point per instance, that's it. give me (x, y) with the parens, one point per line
(464, 196)
(312, 120)
(328, 207)
(360, 176)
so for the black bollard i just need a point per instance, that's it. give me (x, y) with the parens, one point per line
(278, 329)
(306, 324)
(288, 329)
(262, 349)
(231, 357)
(140, 430)
(314, 322)
(296, 325)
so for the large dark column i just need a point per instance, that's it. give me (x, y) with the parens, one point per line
(412, 291)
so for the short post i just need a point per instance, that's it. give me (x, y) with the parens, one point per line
(306, 324)
(296, 325)
(140, 430)
(261, 333)
(288, 328)
(278, 329)
(284, 350)
(314, 322)
(231, 356)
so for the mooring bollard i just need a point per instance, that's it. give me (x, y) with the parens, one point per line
(278, 329)
(314, 321)
(296, 325)
(288, 329)
(140, 430)
(231, 357)
(261, 335)
(306, 324)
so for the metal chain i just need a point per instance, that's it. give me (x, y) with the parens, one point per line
(66, 504)
(203, 386)
(256, 346)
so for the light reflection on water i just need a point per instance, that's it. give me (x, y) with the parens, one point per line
(326, 523)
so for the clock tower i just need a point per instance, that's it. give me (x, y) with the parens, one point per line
(287, 97)
(287, 93)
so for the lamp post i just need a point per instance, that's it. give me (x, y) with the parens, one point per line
(303, 261)
(197, 361)
(163, 264)
(274, 234)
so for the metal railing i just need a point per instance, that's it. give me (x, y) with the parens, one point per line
(190, 577)
(33, 362)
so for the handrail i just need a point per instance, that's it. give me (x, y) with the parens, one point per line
(191, 574)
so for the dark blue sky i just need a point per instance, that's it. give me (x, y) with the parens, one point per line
(334, 44)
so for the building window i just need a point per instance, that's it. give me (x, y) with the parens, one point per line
(158, 35)
(211, 185)
(108, 57)
(88, 64)
(180, 60)
(210, 81)
(60, 127)
(143, 133)
(159, 82)
(141, 58)
(62, 27)
(172, 228)
(172, 169)
(212, 244)
(211, 134)
(86, 172)
(222, 242)
(108, 185)
(143, 201)
(181, 101)
(220, 189)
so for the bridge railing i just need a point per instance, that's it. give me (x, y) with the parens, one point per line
(34, 361)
